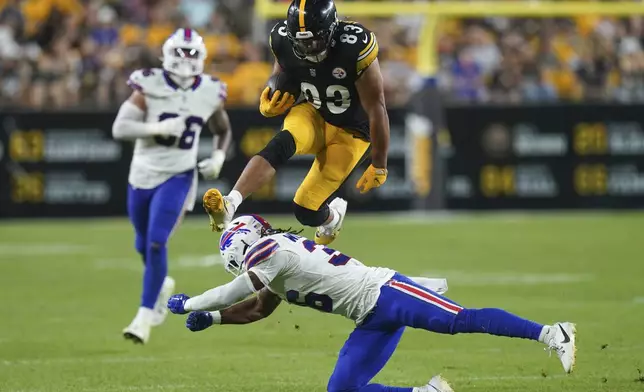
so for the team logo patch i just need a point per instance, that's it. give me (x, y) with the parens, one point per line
(312, 72)
(339, 73)
(226, 239)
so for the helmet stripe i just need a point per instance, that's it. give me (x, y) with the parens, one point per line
(261, 220)
(301, 15)
(187, 34)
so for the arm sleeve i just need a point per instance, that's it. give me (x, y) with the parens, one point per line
(130, 123)
(369, 52)
(223, 296)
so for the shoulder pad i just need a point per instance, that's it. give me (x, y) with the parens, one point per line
(215, 86)
(259, 252)
(148, 81)
(358, 42)
(277, 37)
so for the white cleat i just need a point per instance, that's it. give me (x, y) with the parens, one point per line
(437, 384)
(161, 306)
(324, 235)
(138, 332)
(219, 209)
(561, 339)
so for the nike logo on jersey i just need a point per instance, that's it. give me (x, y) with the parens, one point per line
(366, 38)
(566, 337)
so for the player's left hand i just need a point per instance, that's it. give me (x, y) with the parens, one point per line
(198, 321)
(373, 177)
(275, 106)
(211, 167)
(177, 302)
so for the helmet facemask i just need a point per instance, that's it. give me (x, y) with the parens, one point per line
(182, 56)
(309, 46)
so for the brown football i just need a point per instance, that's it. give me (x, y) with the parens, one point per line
(283, 82)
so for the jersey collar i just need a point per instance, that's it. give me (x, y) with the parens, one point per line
(170, 82)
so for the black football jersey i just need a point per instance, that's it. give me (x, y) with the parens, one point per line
(329, 85)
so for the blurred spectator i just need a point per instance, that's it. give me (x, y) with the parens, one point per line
(198, 12)
(78, 53)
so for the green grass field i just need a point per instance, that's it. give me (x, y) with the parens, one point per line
(69, 287)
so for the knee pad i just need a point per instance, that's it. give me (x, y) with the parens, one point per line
(310, 217)
(279, 150)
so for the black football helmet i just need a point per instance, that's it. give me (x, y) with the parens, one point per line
(309, 27)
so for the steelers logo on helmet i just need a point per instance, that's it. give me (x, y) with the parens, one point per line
(309, 27)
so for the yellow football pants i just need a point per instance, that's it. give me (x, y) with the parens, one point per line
(337, 152)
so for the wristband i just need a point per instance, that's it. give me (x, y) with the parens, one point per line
(216, 317)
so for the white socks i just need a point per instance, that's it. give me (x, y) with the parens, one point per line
(144, 315)
(235, 198)
(544, 333)
(334, 220)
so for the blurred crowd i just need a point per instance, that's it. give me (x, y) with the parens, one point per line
(79, 53)
(535, 60)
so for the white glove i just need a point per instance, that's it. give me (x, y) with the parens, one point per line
(171, 127)
(211, 167)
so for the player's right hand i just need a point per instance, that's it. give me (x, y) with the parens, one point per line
(198, 321)
(177, 302)
(171, 127)
(372, 178)
(275, 106)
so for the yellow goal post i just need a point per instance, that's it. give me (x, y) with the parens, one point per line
(427, 55)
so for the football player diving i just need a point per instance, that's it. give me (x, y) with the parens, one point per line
(279, 265)
(342, 119)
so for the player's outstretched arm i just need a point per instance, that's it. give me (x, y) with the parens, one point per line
(219, 125)
(130, 121)
(245, 312)
(371, 91)
(214, 299)
(251, 310)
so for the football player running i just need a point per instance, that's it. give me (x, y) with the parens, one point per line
(164, 116)
(280, 265)
(344, 116)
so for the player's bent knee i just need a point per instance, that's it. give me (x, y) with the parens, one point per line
(156, 246)
(279, 150)
(311, 217)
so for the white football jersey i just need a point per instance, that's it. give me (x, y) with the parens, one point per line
(156, 159)
(303, 273)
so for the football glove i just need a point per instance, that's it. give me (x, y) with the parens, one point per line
(177, 302)
(211, 167)
(198, 321)
(275, 106)
(171, 127)
(372, 178)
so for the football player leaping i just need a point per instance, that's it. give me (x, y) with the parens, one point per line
(165, 115)
(335, 62)
(280, 265)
